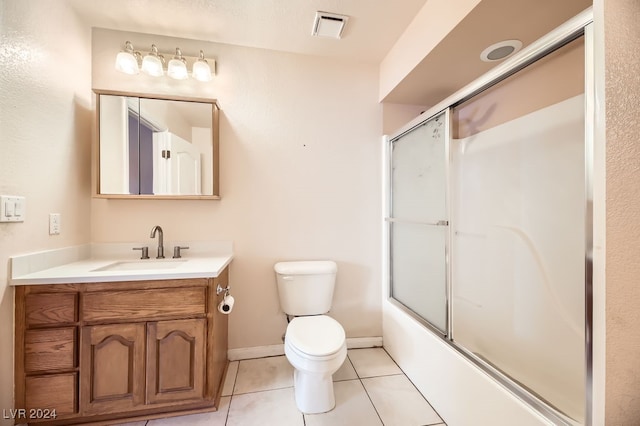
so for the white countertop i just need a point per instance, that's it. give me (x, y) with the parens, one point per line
(82, 264)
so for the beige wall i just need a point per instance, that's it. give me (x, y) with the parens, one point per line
(300, 177)
(396, 116)
(434, 21)
(551, 80)
(44, 141)
(622, 92)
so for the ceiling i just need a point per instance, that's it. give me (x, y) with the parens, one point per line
(372, 28)
(455, 61)
(371, 31)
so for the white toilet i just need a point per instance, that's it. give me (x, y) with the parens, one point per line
(314, 343)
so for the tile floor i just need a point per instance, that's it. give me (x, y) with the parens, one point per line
(370, 390)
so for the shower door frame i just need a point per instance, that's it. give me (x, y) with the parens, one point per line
(446, 333)
(579, 26)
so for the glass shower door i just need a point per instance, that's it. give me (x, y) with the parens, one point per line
(518, 212)
(418, 221)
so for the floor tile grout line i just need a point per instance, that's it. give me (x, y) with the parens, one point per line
(352, 366)
(226, 418)
(402, 373)
(415, 387)
(372, 403)
(385, 375)
(235, 379)
(365, 389)
(263, 390)
(379, 375)
(233, 389)
(358, 377)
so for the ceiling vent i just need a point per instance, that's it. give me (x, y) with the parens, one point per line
(329, 25)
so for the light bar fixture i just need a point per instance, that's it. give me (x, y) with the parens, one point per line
(130, 61)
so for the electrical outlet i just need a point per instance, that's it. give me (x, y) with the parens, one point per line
(54, 223)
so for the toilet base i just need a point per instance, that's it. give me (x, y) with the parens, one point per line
(314, 392)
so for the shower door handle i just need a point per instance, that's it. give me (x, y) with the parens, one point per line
(417, 222)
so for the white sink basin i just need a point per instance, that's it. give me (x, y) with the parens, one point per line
(141, 265)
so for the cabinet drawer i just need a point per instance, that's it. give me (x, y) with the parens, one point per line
(50, 308)
(50, 349)
(54, 392)
(144, 304)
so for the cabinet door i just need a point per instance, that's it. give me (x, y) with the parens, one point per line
(54, 393)
(112, 368)
(175, 360)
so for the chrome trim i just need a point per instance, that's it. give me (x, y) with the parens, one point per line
(447, 241)
(589, 141)
(407, 310)
(516, 388)
(388, 214)
(420, 120)
(389, 219)
(385, 210)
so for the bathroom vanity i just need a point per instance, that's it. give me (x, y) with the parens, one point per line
(126, 350)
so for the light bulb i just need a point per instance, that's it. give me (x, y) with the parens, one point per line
(127, 61)
(152, 63)
(177, 67)
(201, 70)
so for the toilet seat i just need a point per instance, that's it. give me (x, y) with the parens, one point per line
(318, 336)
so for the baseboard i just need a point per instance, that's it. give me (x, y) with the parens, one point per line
(364, 342)
(277, 350)
(255, 352)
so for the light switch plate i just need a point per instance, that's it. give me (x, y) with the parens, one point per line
(12, 208)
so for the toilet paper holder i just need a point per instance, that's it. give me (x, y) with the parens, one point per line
(226, 305)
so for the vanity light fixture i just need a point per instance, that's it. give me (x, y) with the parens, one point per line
(131, 62)
(152, 63)
(127, 60)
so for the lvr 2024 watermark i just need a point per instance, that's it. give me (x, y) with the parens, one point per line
(30, 414)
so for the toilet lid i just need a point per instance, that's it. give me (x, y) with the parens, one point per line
(317, 335)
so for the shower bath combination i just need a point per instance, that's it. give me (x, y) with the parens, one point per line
(487, 228)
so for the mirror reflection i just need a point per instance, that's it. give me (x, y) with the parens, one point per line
(158, 147)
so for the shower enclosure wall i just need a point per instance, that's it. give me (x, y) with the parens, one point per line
(488, 227)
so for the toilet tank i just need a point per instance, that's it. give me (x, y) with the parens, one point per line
(306, 287)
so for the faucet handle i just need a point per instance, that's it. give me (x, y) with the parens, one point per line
(176, 251)
(144, 250)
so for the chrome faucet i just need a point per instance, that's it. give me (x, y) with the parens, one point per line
(160, 240)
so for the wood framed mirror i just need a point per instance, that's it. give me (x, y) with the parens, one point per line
(156, 147)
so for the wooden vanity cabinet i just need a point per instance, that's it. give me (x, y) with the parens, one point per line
(125, 350)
